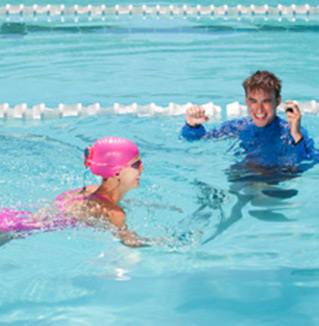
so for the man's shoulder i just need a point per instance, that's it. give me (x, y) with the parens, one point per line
(284, 127)
(281, 121)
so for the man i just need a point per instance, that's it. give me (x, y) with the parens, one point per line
(266, 139)
(273, 149)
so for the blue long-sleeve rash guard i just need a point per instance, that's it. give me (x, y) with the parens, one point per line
(271, 145)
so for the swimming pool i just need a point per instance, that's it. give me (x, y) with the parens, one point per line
(260, 270)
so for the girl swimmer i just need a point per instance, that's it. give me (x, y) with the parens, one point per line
(118, 161)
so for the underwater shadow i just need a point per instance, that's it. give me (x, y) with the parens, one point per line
(261, 188)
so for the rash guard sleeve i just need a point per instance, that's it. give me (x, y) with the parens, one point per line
(193, 133)
(229, 129)
(305, 149)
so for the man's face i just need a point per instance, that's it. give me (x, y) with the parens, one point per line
(262, 106)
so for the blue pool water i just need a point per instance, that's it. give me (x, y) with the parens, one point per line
(261, 268)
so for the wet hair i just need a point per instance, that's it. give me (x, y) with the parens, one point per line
(264, 80)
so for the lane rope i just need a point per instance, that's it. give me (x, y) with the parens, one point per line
(157, 10)
(41, 112)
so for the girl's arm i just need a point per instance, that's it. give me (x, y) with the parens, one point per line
(127, 237)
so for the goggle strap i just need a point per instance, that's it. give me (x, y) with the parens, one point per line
(84, 179)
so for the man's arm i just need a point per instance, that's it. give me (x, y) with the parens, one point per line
(304, 148)
(302, 144)
(194, 129)
(193, 133)
(294, 120)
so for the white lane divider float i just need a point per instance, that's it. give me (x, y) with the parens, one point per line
(238, 11)
(41, 112)
(238, 110)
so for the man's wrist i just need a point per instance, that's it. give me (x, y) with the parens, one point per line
(192, 125)
(297, 139)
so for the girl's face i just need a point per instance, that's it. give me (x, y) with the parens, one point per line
(130, 176)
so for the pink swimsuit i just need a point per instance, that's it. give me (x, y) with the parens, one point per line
(12, 220)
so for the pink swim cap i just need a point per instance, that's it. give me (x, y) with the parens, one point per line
(109, 155)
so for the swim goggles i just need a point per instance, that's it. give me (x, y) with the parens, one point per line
(136, 165)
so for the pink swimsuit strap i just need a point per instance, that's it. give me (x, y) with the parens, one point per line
(61, 197)
(85, 197)
(100, 196)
